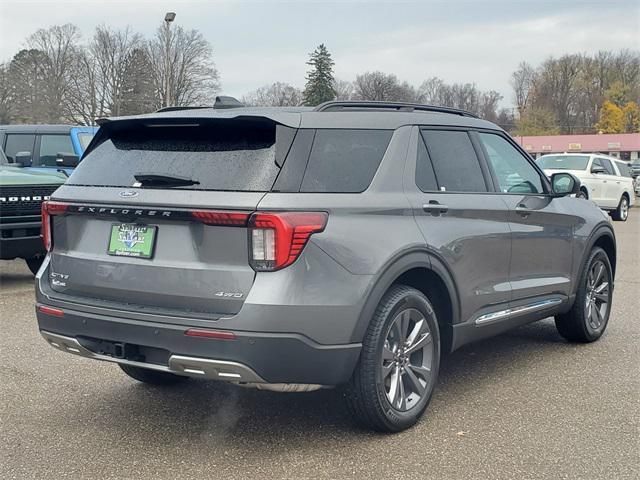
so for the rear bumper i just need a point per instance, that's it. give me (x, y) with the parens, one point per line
(253, 357)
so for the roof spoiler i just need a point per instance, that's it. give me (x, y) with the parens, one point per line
(220, 103)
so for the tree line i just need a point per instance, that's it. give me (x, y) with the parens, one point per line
(58, 78)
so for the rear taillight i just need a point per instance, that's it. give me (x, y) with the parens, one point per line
(277, 239)
(217, 217)
(49, 209)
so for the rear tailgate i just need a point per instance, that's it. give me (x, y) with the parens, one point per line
(195, 259)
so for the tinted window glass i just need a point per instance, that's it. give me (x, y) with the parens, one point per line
(50, 146)
(563, 162)
(224, 155)
(425, 176)
(344, 161)
(514, 172)
(625, 170)
(596, 164)
(18, 143)
(454, 161)
(607, 166)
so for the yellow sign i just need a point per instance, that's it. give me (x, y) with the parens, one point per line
(575, 146)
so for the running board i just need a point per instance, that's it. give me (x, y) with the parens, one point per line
(500, 315)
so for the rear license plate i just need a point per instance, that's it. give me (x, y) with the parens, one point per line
(131, 240)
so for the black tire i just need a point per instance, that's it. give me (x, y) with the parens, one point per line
(366, 393)
(575, 325)
(34, 263)
(152, 377)
(621, 213)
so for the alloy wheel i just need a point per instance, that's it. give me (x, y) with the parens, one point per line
(598, 295)
(624, 208)
(407, 357)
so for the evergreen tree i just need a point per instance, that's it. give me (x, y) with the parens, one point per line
(320, 81)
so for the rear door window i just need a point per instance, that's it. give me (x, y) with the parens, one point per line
(229, 155)
(344, 161)
(18, 142)
(455, 164)
(425, 176)
(51, 146)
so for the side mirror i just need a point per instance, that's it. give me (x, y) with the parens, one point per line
(564, 184)
(597, 169)
(67, 160)
(23, 159)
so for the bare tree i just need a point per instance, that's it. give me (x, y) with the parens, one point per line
(381, 86)
(431, 91)
(277, 94)
(488, 105)
(112, 51)
(86, 98)
(58, 46)
(192, 75)
(523, 82)
(343, 89)
(557, 89)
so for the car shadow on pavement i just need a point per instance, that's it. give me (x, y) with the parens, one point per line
(205, 414)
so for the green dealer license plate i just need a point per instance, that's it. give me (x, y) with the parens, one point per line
(130, 240)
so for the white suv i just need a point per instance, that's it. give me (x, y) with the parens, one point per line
(601, 177)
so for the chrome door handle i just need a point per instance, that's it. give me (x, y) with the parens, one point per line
(435, 208)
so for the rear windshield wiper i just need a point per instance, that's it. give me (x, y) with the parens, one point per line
(154, 179)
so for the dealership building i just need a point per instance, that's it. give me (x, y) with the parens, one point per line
(625, 146)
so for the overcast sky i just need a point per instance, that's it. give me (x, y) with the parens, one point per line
(256, 43)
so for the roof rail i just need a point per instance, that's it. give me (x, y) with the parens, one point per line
(339, 105)
(221, 102)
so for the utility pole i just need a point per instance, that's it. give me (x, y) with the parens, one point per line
(168, 18)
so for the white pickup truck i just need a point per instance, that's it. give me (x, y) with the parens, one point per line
(604, 179)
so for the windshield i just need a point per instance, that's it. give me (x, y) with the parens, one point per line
(85, 139)
(563, 162)
(233, 156)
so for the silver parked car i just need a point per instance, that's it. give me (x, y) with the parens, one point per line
(295, 248)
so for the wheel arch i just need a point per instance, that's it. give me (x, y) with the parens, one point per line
(604, 238)
(425, 272)
(584, 189)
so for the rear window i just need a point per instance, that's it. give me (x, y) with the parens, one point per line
(344, 161)
(563, 162)
(233, 155)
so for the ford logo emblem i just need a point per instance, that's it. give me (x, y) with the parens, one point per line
(129, 193)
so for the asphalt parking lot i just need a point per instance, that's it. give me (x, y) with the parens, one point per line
(522, 405)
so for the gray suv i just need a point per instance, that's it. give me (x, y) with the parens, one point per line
(293, 249)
